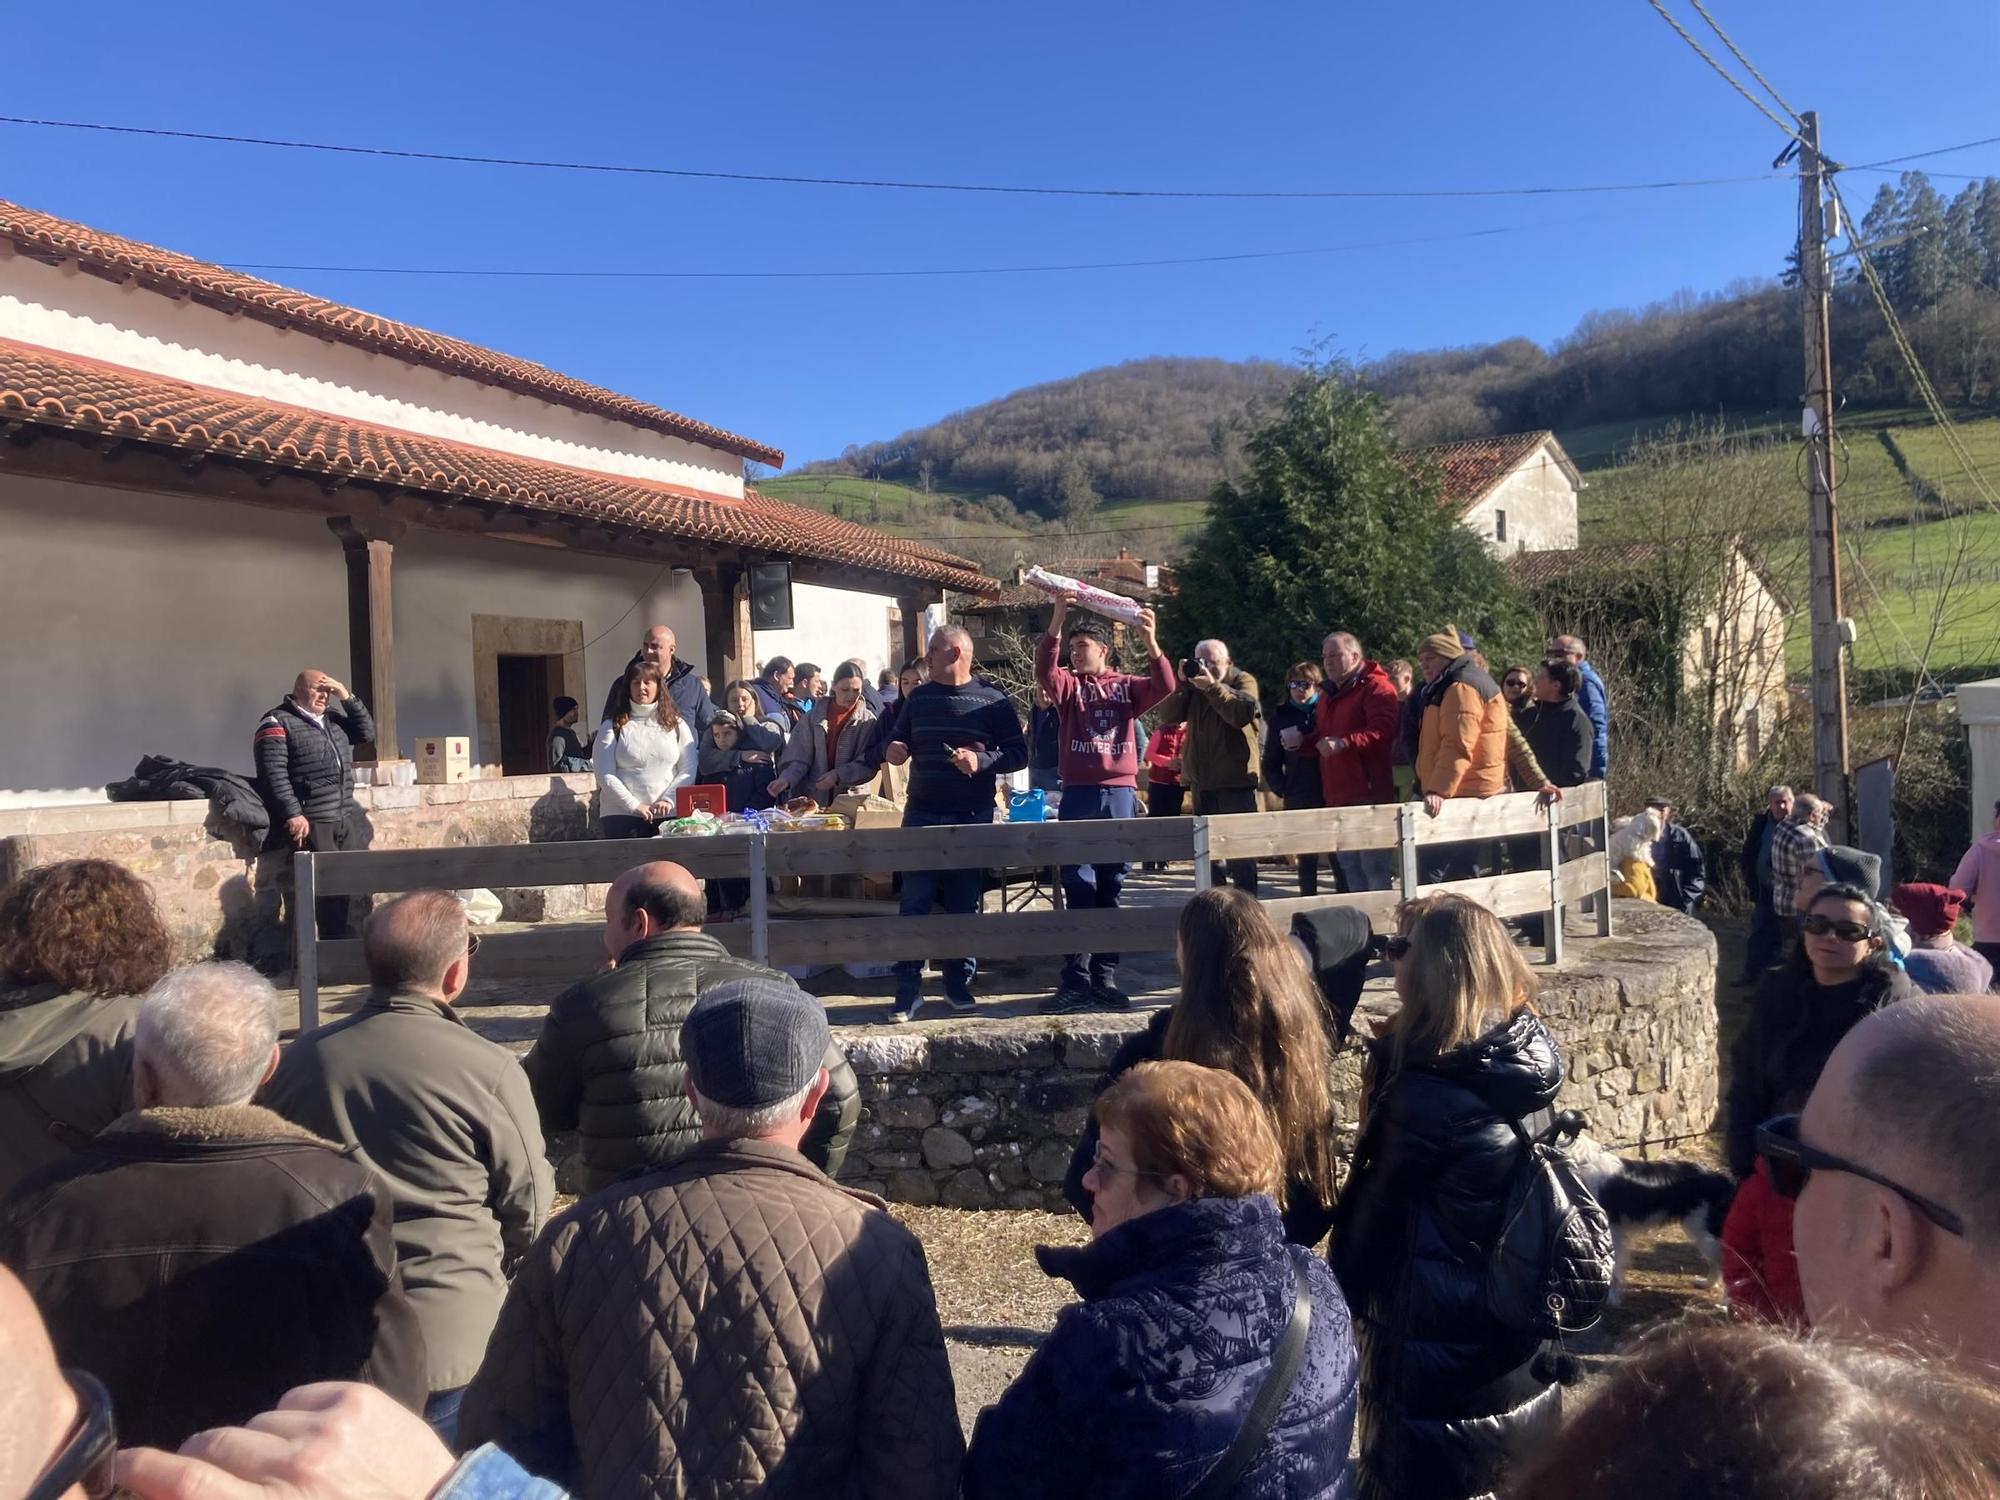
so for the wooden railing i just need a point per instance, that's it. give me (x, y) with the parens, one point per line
(564, 952)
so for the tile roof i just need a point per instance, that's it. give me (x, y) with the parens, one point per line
(1473, 467)
(118, 259)
(49, 389)
(1543, 569)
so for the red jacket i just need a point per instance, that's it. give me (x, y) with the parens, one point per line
(1759, 1268)
(1365, 713)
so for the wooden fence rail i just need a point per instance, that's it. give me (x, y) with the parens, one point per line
(564, 952)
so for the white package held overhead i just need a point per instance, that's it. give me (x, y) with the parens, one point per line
(1091, 597)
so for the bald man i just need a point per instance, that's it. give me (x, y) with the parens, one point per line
(608, 1061)
(39, 1435)
(683, 682)
(1898, 1222)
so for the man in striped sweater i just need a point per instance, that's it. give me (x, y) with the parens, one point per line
(958, 737)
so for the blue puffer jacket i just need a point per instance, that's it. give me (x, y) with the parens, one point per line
(1140, 1390)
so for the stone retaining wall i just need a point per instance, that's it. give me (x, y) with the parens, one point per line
(221, 896)
(986, 1113)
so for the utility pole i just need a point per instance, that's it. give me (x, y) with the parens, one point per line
(1829, 625)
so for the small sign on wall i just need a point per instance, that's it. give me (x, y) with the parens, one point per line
(447, 758)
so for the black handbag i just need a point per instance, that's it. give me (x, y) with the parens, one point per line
(1221, 1481)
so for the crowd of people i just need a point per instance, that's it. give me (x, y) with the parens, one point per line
(331, 1269)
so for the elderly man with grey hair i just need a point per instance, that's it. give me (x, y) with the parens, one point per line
(202, 1256)
(445, 1116)
(735, 1323)
(1217, 700)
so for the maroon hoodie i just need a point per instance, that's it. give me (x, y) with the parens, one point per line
(1095, 715)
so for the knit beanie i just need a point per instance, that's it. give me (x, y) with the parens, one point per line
(1931, 909)
(1842, 865)
(1445, 643)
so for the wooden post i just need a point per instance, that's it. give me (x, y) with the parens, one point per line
(1204, 870)
(305, 926)
(371, 633)
(1552, 933)
(725, 617)
(1406, 849)
(760, 904)
(912, 606)
(1603, 856)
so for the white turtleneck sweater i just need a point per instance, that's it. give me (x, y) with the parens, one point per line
(642, 763)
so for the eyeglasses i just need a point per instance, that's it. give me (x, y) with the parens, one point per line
(1517, 682)
(1106, 1167)
(1396, 947)
(88, 1451)
(1848, 932)
(1302, 682)
(1792, 1161)
(471, 944)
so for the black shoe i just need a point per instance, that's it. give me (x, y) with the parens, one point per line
(1068, 1000)
(961, 1001)
(901, 1014)
(1110, 997)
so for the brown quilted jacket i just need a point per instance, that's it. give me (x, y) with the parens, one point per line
(732, 1324)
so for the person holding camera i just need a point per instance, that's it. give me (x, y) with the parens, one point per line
(1218, 703)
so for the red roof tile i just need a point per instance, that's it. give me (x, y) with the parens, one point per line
(118, 259)
(1473, 467)
(50, 389)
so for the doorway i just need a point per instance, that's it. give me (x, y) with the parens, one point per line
(527, 696)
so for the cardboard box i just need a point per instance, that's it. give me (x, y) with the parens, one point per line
(445, 759)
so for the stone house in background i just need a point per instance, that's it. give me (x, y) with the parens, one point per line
(1517, 492)
(1730, 657)
(209, 481)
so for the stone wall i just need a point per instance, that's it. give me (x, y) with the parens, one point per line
(986, 1113)
(221, 896)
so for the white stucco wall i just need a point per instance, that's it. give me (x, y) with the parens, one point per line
(829, 626)
(78, 313)
(137, 622)
(1540, 504)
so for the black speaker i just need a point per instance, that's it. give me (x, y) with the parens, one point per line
(770, 596)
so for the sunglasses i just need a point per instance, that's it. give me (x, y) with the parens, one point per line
(88, 1451)
(1519, 682)
(1792, 1161)
(1396, 947)
(1848, 932)
(1302, 682)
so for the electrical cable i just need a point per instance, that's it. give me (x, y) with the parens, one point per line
(1750, 67)
(926, 271)
(802, 180)
(1727, 77)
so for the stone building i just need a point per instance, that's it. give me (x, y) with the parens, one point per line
(1517, 492)
(208, 482)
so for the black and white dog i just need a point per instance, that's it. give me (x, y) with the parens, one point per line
(1640, 1194)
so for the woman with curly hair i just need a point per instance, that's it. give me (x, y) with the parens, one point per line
(80, 943)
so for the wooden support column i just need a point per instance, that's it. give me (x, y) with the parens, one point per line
(725, 613)
(913, 607)
(369, 546)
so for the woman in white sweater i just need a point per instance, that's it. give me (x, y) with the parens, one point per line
(643, 754)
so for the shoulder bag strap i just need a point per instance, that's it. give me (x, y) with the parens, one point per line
(1221, 1481)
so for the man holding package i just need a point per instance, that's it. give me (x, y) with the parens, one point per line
(1097, 713)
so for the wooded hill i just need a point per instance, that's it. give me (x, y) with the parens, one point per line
(1171, 429)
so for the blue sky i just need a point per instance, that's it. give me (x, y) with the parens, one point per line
(1259, 95)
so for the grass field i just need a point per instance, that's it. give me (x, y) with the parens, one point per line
(1896, 547)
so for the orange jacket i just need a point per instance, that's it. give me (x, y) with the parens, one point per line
(1462, 744)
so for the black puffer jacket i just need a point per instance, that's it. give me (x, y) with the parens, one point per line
(608, 1062)
(1294, 774)
(308, 770)
(1447, 1393)
(1795, 1023)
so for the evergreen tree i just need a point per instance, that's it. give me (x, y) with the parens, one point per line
(1334, 528)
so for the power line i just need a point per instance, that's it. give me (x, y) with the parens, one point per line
(1727, 77)
(1737, 52)
(924, 271)
(801, 180)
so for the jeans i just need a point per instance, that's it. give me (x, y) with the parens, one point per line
(1094, 887)
(441, 1412)
(1241, 873)
(957, 892)
(1365, 869)
(1767, 936)
(1165, 801)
